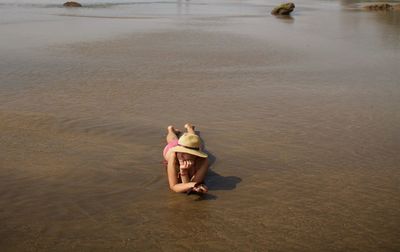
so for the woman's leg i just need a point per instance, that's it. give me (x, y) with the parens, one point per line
(171, 135)
(190, 128)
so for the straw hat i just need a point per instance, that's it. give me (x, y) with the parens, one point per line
(189, 143)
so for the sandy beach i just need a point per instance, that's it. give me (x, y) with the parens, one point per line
(300, 116)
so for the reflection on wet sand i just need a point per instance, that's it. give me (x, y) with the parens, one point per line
(301, 123)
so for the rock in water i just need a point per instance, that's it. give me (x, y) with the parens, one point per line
(382, 7)
(72, 4)
(283, 9)
(379, 6)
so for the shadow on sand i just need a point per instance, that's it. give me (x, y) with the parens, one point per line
(215, 181)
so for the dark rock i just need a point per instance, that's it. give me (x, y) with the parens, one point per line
(72, 4)
(283, 9)
(379, 6)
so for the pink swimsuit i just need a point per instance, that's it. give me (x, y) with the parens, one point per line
(169, 146)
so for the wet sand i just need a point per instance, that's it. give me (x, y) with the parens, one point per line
(300, 117)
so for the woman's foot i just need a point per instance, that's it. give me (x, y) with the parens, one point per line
(172, 129)
(190, 128)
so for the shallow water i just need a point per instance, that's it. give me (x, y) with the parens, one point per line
(299, 115)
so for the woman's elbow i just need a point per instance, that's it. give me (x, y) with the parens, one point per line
(173, 188)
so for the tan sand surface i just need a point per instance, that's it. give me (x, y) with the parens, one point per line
(301, 123)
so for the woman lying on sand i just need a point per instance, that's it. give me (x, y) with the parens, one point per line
(186, 164)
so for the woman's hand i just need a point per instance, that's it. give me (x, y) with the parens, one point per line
(198, 188)
(185, 164)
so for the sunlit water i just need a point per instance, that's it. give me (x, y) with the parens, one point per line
(300, 116)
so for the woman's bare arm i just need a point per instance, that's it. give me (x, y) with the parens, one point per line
(173, 177)
(201, 172)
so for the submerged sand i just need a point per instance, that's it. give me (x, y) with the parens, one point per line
(301, 123)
